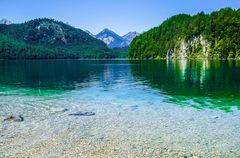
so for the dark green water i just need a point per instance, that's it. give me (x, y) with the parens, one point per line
(200, 84)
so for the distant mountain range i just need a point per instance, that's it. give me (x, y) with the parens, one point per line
(113, 40)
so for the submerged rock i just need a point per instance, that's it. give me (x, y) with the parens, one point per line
(60, 110)
(134, 107)
(16, 118)
(214, 117)
(81, 113)
(65, 110)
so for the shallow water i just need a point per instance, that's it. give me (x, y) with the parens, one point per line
(142, 109)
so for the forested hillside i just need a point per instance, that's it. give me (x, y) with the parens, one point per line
(47, 38)
(215, 35)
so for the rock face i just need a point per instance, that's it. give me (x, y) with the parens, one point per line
(5, 22)
(57, 32)
(189, 48)
(183, 50)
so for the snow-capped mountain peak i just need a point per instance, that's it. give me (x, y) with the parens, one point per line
(130, 36)
(113, 40)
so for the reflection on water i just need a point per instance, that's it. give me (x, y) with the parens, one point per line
(45, 74)
(45, 77)
(200, 84)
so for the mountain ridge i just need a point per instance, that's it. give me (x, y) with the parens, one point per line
(48, 38)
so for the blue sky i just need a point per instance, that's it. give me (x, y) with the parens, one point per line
(120, 16)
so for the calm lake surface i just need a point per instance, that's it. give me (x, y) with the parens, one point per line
(142, 108)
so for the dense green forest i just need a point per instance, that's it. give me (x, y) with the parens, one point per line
(215, 35)
(49, 39)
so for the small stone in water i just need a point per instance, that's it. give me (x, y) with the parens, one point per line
(65, 110)
(18, 118)
(134, 107)
(80, 113)
(60, 110)
(214, 117)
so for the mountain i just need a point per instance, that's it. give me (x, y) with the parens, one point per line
(5, 22)
(112, 39)
(47, 38)
(130, 36)
(214, 35)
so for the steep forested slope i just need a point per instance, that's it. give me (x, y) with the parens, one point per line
(47, 38)
(215, 35)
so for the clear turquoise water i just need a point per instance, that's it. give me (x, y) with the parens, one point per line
(143, 108)
(200, 84)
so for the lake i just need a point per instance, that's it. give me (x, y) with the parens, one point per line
(179, 108)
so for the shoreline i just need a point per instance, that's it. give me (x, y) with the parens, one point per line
(122, 59)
